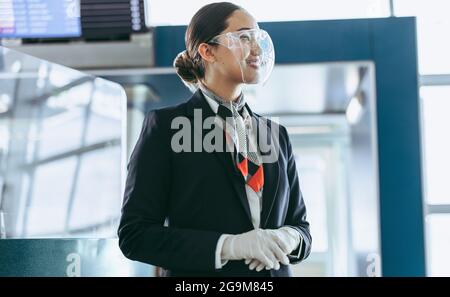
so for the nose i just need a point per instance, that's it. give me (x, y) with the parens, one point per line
(255, 48)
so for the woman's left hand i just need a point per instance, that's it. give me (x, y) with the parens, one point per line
(285, 237)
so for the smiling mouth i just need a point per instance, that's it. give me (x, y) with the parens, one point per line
(255, 63)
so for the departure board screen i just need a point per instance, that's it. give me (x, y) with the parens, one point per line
(39, 18)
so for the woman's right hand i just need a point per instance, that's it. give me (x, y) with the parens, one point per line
(255, 264)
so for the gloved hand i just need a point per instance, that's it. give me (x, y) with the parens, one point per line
(255, 244)
(287, 239)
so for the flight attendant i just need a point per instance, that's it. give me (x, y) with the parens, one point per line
(212, 187)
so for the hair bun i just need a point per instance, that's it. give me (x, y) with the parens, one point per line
(185, 67)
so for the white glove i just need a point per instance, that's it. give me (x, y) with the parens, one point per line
(255, 244)
(287, 239)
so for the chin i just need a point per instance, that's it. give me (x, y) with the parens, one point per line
(252, 79)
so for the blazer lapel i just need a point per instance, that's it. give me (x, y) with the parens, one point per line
(237, 180)
(271, 180)
(271, 170)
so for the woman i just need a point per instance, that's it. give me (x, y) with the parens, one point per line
(233, 211)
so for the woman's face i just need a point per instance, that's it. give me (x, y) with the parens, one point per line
(234, 64)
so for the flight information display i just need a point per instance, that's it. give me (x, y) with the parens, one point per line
(39, 18)
(112, 18)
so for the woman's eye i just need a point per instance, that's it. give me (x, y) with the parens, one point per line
(245, 38)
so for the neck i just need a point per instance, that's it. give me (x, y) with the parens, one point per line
(225, 90)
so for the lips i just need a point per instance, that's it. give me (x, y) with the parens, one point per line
(254, 62)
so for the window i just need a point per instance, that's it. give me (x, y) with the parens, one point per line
(434, 66)
(435, 101)
(175, 12)
(437, 226)
(436, 145)
(433, 24)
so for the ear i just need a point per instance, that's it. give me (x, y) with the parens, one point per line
(205, 51)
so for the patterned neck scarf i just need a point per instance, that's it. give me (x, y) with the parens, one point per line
(246, 157)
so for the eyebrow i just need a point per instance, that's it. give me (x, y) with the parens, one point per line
(245, 28)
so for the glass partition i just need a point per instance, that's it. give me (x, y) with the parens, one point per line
(61, 150)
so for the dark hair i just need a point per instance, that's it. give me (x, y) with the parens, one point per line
(208, 22)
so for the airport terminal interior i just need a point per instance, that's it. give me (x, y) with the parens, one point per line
(360, 85)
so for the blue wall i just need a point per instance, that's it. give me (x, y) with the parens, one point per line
(391, 44)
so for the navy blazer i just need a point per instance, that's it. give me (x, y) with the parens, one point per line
(177, 204)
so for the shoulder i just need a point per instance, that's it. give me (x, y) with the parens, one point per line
(161, 118)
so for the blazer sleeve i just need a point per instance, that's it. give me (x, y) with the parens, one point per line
(142, 234)
(296, 214)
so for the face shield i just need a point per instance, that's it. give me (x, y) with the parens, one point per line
(253, 51)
